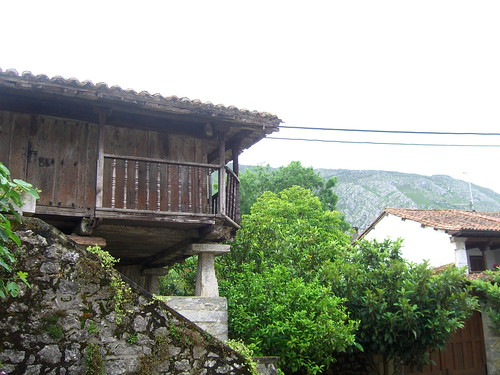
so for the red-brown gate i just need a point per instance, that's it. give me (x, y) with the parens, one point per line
(464, 355)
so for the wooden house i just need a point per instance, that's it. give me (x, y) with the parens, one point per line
(146, 173)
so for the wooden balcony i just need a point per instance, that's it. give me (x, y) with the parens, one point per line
(149, 210)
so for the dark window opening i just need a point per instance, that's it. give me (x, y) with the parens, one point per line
(476, 263)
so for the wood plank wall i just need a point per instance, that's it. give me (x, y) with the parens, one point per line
(54, 155)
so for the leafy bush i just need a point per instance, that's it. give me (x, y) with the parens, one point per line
(277, 314)
(488, 290)
(404, 309)
(11, 191)
(180, 279)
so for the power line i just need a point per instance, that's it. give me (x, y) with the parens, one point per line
(387, 131)
(380, 143)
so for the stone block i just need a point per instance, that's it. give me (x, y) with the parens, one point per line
(208, 313)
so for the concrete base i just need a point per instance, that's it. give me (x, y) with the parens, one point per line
(208, 313)
(267, 365)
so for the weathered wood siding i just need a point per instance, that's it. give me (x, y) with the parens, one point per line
(57, 156)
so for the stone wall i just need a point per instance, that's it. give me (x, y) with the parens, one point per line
(74, 321)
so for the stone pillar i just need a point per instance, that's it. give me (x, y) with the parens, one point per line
(461, 259)
(206, 281)
(146, 278)
(151, 281)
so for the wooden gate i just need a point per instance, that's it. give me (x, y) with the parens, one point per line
(464, 355)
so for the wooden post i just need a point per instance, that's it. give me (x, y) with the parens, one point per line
(222, 173)
(100, 160)
(236, 170)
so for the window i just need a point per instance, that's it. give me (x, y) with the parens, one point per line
(476, 263)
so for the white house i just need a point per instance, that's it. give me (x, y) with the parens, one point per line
(464, 238)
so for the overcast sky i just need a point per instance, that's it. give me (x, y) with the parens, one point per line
(380, 65)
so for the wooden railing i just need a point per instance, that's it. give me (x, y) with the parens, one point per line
(232, 195)
(157, 185)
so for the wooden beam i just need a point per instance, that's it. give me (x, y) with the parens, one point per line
(168, 256)
(88, 241)
(222, 173)
(100, 159)
(235, 140)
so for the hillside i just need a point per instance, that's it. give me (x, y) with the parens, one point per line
(363, 194)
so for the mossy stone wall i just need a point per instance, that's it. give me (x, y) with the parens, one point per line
(68, 322)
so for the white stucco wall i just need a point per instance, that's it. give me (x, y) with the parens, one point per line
(491, 257)
(420, 243)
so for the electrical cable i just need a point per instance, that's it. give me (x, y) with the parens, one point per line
(381, 143)
(387, 131)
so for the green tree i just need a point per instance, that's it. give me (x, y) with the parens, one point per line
(276, 313)
(289, 228)
(257, 180)
(404, 309)
(488, 290)
(277, 303)
(11, 191)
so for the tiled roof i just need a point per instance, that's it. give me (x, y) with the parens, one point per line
(451, 220)
(87, 90)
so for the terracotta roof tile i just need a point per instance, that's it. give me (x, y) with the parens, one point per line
(451, 220)
(86, 89)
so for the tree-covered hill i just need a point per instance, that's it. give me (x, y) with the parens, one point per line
(363, 194)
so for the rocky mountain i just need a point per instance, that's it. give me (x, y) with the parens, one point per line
(363, 194)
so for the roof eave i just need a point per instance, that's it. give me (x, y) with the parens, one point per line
(101, 95)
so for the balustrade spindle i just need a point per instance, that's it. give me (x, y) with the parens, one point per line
(179, 188)
(200, 190)
(190, 189)
(169, 188)
(113, 183)
(158, 187)
(147, 185)
(125, 182)
(136, 185)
